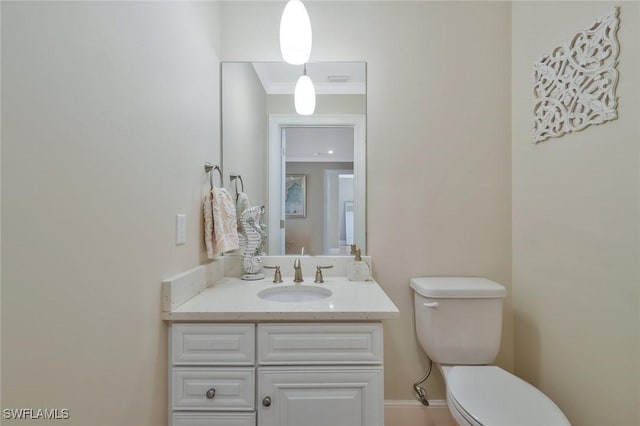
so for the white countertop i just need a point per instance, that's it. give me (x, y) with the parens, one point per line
(232, 299)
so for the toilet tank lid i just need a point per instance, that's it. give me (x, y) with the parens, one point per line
(457, 287)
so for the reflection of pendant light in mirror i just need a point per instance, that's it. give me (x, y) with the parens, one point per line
(295, 33)
(305, 95)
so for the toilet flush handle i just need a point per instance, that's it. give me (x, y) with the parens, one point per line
(431, 304)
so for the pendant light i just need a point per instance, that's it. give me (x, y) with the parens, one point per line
(304, 96)
(295, 33)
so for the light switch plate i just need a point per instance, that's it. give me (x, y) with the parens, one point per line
(181, 229)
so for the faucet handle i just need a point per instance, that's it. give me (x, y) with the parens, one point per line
(277, 277)
(319, 279)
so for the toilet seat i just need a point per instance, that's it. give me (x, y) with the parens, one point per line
(459, 413)
(490, 396)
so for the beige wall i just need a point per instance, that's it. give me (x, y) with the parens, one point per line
(109, 111)
(1, 313)
(438, 142)
(244, 130)
(576, 231)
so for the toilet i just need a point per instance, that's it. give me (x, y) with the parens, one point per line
(459, 326)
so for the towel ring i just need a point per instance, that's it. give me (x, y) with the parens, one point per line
(208, 167)
(234, 177)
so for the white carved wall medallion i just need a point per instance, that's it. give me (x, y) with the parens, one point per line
(574, 84)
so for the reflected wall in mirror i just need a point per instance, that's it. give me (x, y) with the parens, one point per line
(264, 140)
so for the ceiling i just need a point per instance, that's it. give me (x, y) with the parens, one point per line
(319, 144)
(329, 78)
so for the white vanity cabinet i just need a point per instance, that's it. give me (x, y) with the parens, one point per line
(212, 374)
(311, 374)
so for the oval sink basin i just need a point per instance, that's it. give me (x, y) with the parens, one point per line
(294, 293)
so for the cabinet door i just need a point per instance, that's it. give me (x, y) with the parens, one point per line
(320, 396)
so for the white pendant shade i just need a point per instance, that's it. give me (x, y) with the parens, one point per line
(295, 33)
(305, 96)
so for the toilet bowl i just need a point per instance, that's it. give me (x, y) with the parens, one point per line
(458, 324)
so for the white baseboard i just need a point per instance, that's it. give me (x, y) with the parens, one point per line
(413, 413)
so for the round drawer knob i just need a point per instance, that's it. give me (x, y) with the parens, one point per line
(266, 401)
(211, 393)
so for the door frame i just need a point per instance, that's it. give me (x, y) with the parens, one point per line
(276, 162)
(328, 173)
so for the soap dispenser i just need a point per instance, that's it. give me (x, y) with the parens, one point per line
(358, 269)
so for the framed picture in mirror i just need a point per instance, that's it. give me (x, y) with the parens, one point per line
(295, 204)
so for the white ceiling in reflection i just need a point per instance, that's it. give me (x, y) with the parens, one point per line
(319, 144)
(329, 78)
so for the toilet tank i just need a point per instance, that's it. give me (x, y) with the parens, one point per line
(458, 319)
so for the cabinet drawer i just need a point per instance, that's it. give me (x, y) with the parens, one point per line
(213, 344)
(313, 344)
(234, 388)
(214, 419)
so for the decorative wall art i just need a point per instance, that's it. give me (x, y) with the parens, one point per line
(575, 83)
(295, 204)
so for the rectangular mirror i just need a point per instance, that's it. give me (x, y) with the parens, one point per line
(308, 172)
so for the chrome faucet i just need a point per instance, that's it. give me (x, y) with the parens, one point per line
(297, 267)
(297, 276)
